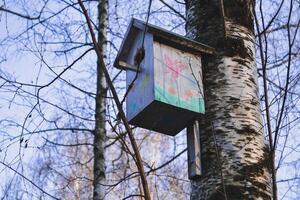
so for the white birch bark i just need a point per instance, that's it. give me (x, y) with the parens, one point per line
(232, 104)
(100, 131)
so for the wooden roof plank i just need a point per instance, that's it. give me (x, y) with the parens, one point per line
(160, 35)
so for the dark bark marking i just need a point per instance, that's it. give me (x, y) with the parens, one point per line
(239, 12)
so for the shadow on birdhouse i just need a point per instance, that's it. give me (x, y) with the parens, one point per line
(167, 93)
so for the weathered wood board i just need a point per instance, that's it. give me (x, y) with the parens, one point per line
(194, 150)
(141, 94)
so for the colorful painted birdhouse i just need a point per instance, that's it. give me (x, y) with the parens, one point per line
(167, 92)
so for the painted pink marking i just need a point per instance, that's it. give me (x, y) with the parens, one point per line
(174, 67)
(188, 94)
(172, 90)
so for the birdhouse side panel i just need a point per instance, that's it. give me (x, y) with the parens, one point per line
(178, 78)
(141, 94)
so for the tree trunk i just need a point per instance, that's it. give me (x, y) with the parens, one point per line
(100, 131)
(235, 159)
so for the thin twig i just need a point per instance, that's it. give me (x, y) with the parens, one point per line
(30, 181)
(173, 9)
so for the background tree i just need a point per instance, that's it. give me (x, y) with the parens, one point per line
(101, 92)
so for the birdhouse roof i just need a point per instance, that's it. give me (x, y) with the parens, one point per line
(160, 35)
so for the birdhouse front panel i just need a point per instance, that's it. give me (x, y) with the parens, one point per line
(178, 78)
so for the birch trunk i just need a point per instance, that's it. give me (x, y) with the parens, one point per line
(100, 131)
(232, 124)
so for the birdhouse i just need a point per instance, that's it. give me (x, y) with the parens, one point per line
(167, 91)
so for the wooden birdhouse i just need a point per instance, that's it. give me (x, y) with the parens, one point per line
(167, 92)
